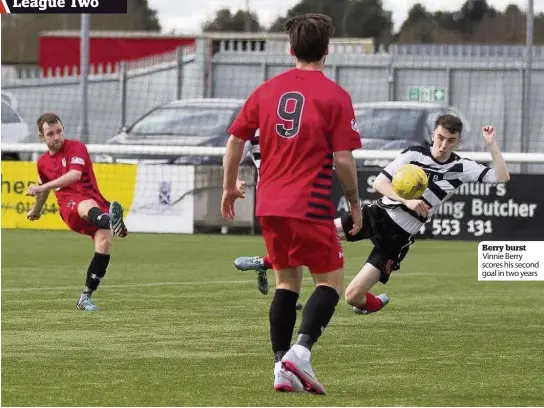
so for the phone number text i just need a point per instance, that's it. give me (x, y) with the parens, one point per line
(444, 227)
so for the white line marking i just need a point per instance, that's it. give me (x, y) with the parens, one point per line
(158, 284)
(127, 286)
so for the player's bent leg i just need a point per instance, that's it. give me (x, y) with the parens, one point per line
(373, 304)
(252, 263)
(283, 315)
(97, 269)
(83, 208)
(365, 280)
(92, 212)
(255, 263)
(358, 294)
(249, 263)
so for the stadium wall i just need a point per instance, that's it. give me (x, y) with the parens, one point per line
(486, 87)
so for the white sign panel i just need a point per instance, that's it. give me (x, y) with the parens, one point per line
(163, 201)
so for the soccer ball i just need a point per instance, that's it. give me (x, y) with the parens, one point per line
(410, 182)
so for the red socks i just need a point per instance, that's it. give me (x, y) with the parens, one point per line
(373, 304)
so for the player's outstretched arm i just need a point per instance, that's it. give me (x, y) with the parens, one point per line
(501, 170)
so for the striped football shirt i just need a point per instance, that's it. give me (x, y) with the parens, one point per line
(444, 179)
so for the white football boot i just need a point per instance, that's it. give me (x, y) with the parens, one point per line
(303, 370)
(286, 381)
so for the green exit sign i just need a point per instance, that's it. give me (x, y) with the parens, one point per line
(426, 94)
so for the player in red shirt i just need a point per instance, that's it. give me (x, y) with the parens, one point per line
(306, 124)
(67, 168)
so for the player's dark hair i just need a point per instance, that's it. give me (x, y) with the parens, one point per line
(50, 118)
(450, 122)
(309, 35)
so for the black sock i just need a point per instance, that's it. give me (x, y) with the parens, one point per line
(317, 314)
(283, 316)
(96, 272)
(99, 218)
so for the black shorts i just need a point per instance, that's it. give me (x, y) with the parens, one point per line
(391, 242)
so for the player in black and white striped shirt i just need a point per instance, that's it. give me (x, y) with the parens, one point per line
(391, 222)
(444, 179)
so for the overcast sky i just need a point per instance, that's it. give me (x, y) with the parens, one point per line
(186, 16)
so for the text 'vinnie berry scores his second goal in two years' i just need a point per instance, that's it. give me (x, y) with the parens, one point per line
(510, 260)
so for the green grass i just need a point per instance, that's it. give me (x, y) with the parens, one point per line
(181, 327)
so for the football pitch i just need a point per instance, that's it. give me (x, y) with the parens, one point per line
(179, 326)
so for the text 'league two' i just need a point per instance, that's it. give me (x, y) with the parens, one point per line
(63, 6)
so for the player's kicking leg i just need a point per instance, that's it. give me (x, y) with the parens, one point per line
(112, 219)
(357, 293)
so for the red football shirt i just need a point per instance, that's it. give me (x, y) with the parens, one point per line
(72, 156)
(303, 117)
